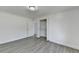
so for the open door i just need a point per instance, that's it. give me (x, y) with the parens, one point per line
(43, 28)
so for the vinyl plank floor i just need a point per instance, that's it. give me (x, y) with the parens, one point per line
(34, 45)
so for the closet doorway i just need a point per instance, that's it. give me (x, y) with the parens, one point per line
(43, 28)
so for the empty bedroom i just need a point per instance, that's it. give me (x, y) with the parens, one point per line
(39, 29)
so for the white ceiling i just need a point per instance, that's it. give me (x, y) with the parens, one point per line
(43, 10)
(46, 10)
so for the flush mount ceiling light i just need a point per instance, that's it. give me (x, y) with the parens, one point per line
(33, 8)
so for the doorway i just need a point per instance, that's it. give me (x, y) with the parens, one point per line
(43, 28)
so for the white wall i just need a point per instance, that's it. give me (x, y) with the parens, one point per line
(37, 27)
(63, 28)
(13, 27)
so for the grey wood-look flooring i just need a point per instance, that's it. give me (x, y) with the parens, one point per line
(34, 45)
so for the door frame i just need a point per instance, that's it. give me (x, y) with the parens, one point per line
(40, 26)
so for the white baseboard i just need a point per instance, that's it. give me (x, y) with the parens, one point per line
(15, 39)
(66, 45)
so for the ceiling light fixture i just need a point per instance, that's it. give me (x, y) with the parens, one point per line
(33, 8)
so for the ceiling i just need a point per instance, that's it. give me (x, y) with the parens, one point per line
(42, 10)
